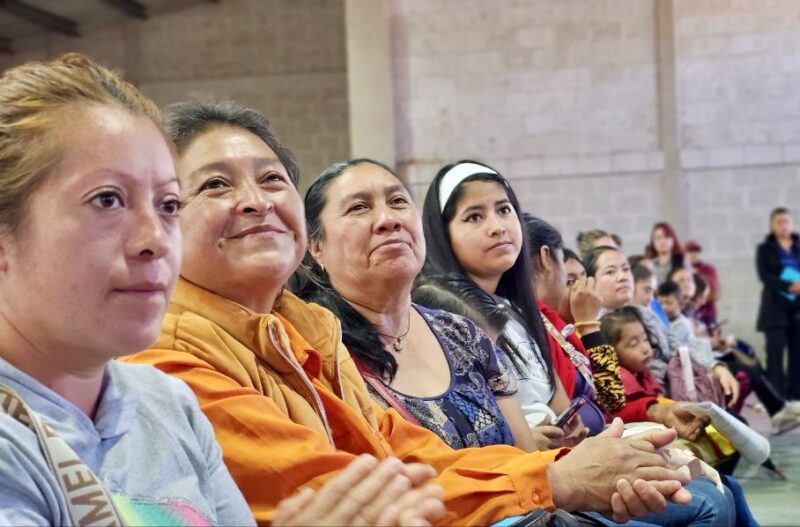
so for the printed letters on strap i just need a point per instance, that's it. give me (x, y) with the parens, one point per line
(88, 502)
(578, 359)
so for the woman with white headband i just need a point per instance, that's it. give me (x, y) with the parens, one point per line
(472, 226)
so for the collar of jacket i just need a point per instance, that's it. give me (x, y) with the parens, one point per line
(771, 238)
(310, 340)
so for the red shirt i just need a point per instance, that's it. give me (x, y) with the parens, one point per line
(562, 365)
(641, 391)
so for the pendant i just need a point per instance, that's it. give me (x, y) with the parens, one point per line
(398, 345)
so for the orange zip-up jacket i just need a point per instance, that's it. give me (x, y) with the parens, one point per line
(289, 409)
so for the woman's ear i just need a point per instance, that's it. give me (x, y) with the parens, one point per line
(545, 262)
(315, 250)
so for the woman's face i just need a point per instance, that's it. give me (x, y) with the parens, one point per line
(634, 349)
(485, 232)
(613, 279)
(552, 277)
(662, 242)
(574, 270)
(685, 281)
(782, 225)
(243, 224)
(372, 231)
(90, 270)
(644, 291)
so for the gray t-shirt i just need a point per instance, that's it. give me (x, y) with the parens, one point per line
(149, 444)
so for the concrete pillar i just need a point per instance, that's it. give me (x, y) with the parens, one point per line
(369, 79)
(674, 184)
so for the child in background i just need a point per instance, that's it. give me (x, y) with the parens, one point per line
(644, 288)
(625, 330)
(680, 327)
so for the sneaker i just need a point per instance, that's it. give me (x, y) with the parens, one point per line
(784, 421)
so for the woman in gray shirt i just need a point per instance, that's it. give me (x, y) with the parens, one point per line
(89, 252)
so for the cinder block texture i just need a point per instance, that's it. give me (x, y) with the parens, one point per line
(563, 98)
(284, 57)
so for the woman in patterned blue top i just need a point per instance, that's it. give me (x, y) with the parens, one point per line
(466, 415)
(435, 368)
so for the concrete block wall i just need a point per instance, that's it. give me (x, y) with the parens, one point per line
(738, 73)
(563, 98)
(285, 58)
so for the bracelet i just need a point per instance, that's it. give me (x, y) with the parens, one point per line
(587, 323)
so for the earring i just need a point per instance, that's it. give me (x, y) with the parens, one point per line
(322, 266)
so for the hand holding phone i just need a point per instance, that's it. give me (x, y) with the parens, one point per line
(569, 413)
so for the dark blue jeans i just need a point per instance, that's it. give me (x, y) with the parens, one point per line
(709, 507)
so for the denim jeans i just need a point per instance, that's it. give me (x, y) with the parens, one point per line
(709, 507)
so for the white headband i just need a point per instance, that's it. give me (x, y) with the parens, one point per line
(455, 176)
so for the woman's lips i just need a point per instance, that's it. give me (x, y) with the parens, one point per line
(500, 245)
(257, 229)
(143, 290)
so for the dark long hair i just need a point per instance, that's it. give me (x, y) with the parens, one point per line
(569, 254)
(185, 121)
(457, 294)
(515, 284)
(312, 283)
(541, 234)
(591, 259)
(611, 325)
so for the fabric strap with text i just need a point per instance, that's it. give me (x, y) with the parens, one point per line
(88, 502)
(577, 358)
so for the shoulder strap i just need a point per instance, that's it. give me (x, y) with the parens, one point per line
(577, 358)
(384, 392)
(88, 502)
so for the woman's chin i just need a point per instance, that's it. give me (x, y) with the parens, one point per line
(135, 339)
(396, 269)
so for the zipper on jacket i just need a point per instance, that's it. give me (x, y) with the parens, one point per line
(293, 363)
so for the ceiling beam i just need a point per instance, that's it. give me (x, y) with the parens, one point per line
(41, 17)
(132, 8)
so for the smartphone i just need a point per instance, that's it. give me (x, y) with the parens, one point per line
(574, 406)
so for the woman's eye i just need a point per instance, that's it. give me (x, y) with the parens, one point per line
(399, 200)
(171, 207)
(505, 210)
(570, 281)
(107, 200)
(273, 177)
(356, 207)
(214, 183)
(473, 218)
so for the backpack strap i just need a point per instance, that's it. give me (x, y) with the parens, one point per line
(88, 502)
(384, 392)
(578, 359)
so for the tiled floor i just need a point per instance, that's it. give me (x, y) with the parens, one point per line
(773, 502)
